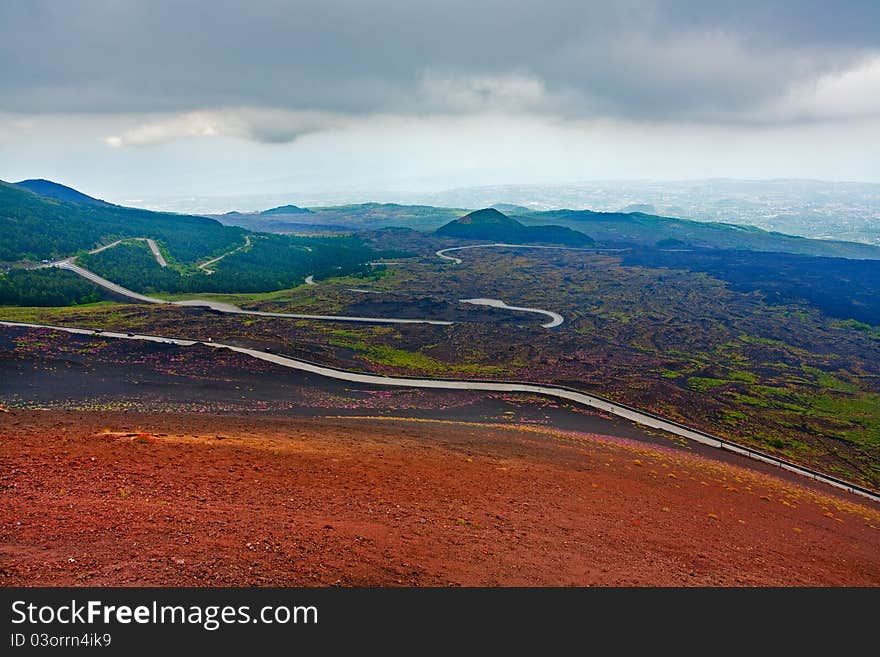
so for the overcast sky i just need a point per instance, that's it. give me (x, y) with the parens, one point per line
(127, 99)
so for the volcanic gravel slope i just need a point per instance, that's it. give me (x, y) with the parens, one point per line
(92, 498)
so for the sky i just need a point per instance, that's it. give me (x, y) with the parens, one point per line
(129, 100)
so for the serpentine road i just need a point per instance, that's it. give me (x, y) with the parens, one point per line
(218, 306)
(228, 308)
(442, 252)
(558, 392)
(151, 243)
(68, 264)
(555, 318)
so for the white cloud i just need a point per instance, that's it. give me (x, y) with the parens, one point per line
(849, 94)
(255, 124)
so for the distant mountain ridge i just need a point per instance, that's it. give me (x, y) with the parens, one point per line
(629, 228)
(58, 191)
(490, 224)
(607, 228)
(286, 209)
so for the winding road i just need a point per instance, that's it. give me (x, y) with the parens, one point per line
(559, 392)
(218, 306)
(228, 308)
(154, 249)
(555, 318)
(442, 252)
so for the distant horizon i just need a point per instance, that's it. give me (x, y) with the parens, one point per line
(255, 202)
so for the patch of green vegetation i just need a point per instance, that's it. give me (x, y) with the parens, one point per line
(345, 333)
(742, 375)
(410, 360)
(862, 412)
(780, 398)
(772, 391)
(772, 440)
(748, 400)
(829, 381)
(787, 446)
(48, 315)
(703, 384)
(407, 361)
(618, 316)
(868, 329)
(773, 342)
(732, 417)
(355, 345)
(371, 276)
(237, 299)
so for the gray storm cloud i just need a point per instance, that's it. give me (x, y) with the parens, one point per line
(298, 67)
(263, 125)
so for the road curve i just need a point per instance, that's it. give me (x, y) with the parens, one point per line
(442, 252)
(103, 282)
(154, 249)
(593, 401)
(228, 308)
(555, 318)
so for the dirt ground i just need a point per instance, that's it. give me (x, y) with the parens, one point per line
(123, 499)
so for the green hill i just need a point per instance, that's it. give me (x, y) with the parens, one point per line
(490, 224)
(36, 227)
(286, 209)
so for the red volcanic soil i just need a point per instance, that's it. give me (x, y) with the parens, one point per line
(163, 499)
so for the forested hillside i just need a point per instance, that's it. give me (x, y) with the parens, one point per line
(34, 227)
(272, 263)
(46, 287)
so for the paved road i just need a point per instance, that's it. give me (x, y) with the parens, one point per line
(218, 306)
(103, 248)
(442, 252)
(204, 266)
(230, 309)
(555, 318)
(558, 392)
(155, 249)
(103, 282)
